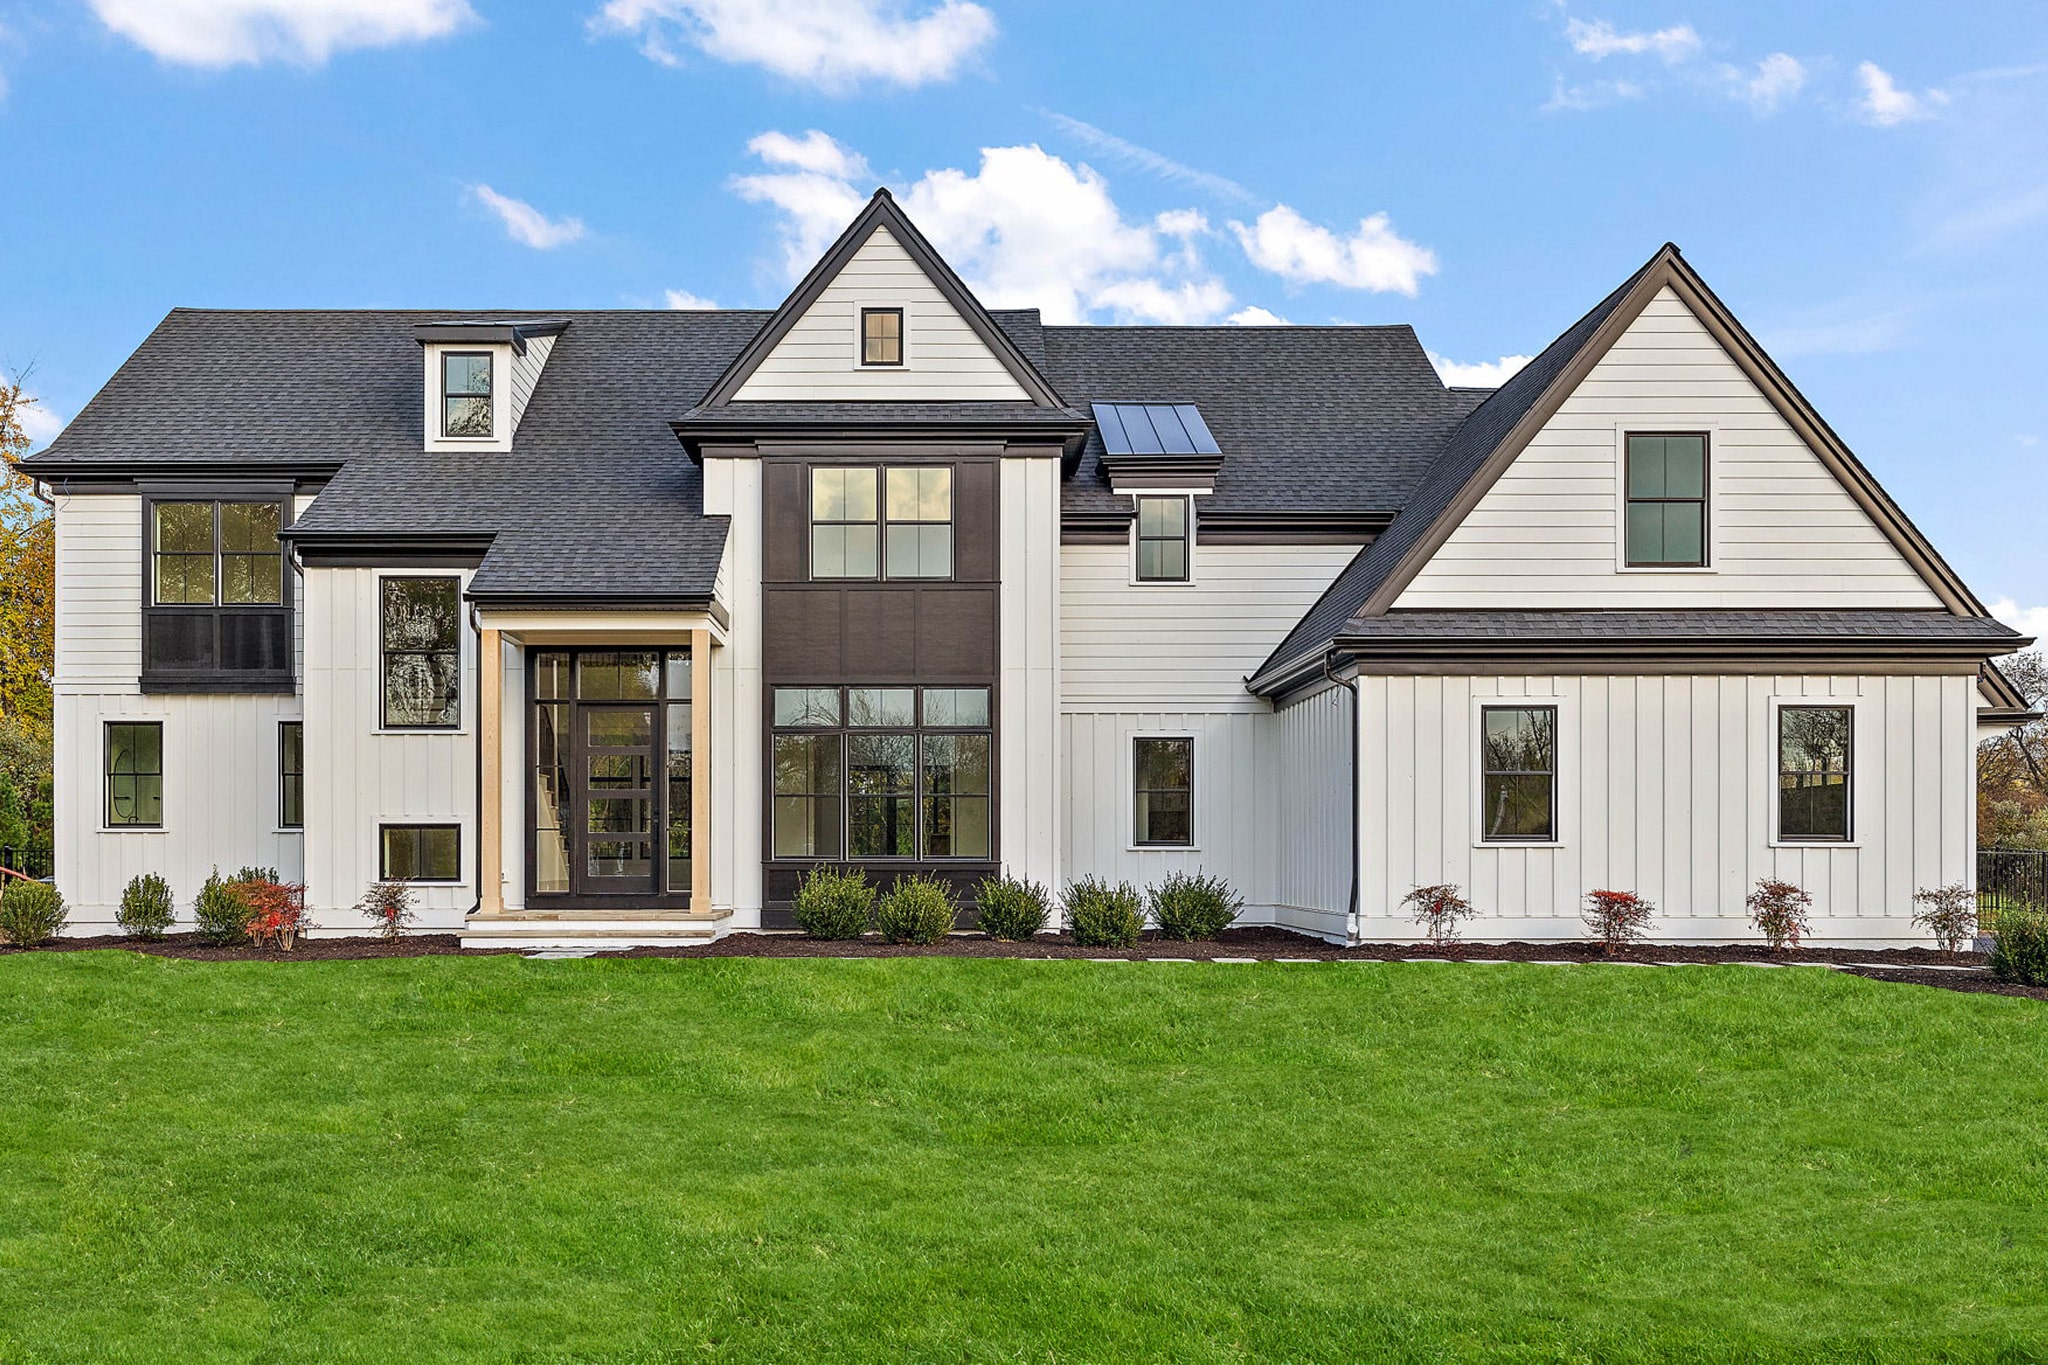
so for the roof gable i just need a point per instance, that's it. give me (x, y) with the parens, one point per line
(877, 260)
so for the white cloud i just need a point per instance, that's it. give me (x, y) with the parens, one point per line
(1591, 95)
(1158, 163)
(1884, 105)
(1777, 78)
(814, 151)
(1026, 229)
(1251, 315)
(1599, 39)
(526, 224)
(2027, 620)
(684, 300)
(38, 421)
(834, 45)
(1375, 257)
(219, 33)
(1484, 374)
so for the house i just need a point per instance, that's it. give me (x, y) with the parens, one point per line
(604, 627)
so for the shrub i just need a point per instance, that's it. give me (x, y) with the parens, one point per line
(1104, 914)
(30, 913)
(1617, 918)
(1012, 909)
(1778, 910)
(915, 910)
(146, 906)
(833, 904)
(1438, 910)
(1189, 906)
(255, 874)
(220, 914)
(1947, 912)
(277, 911)
(2019, 945)
(389, 906)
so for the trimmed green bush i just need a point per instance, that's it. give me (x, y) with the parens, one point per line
(31, 913)
(1012, 909)
(2019, 945)
(833, 904)
(146, 906)
(219, 914)
(916, 909)
(1104, 914)
(1193, 905)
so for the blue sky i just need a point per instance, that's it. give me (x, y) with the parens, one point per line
(1866, 185)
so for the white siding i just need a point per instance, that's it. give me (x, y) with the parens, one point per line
(1310, 772)
(526, 374)
(220, 752)
(1029, 695)
(358, 778)
(1784, 531)
(733, 488)
(1666, 788)
(818, 359)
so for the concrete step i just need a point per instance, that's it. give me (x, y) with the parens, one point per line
(602, 930)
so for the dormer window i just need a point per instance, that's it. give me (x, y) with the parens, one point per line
(466, 394)
(881, 336)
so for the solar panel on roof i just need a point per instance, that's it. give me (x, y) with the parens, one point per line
(1154, 429)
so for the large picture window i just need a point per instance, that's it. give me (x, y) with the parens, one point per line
(419, 853)
(1518, 774)
(1815, 773)
(882, 772)
(420, 623)
(869, 523)
(217, 554)
(1666, 501)
(1163, 778)
(135, 774)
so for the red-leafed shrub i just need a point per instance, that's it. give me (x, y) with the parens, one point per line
(1947, 912)
(1617, 918)
(277, 910)
(1778, 910)
(389, 905)
(1438, 910)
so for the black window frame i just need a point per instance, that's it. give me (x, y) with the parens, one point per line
(291, 774)
(921, 796)
(1186, 538)
(490, 395)
(882, 522)
(951, 522)
(420, 829)
(215, 646)
(385, 653)
(1704, 501)
(1847, 773)
(1550, 832)
(868, 364)
(107, 774)
(1139, 837)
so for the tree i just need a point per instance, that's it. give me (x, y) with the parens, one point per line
(2012, 769)
(28, 596)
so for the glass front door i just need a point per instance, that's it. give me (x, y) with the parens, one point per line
(611, 774)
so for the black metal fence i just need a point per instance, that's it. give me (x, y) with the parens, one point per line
(2011, 876)
(29, 862)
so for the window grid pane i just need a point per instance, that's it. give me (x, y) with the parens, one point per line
(217, 552)
(1665, 521)
(920, 521)
(1518, 772)
(291, 774)
(881, 334)
(419, 853)
(1815, 773)
(135, 773)
(1162, 540)
(465, 394)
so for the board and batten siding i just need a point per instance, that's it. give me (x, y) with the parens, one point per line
(220, 752)
(1149, 659)
(818, 359)
(1666, 787)
(1783, 531)
(1028, 624)
(1311, 815)
(359, 776)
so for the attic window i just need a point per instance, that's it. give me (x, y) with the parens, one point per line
(466, 394)
(881, 336)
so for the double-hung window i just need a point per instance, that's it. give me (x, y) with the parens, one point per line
(291, 774)
(135, 774)
(1666, 500)
(1163, 776)
(419, 624)
(1162, 540)
(887, 523)
(466, 394)
(1815, 772)
(1518, 774)
(882, 772)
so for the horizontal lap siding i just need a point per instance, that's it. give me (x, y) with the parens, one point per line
(99, 591)
(1665, 788)
(816, 360)
(1785, 533)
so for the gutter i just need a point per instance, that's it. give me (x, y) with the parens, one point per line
(1351, 926)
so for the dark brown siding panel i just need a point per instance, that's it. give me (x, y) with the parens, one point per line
(974, 522)
(956, 636)
(784, 521)
(881, 634)
(801, 630)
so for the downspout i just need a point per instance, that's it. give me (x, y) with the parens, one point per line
(1349, 685)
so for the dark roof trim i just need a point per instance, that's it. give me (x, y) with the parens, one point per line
(882, 211)
(1236, 528)
(513, 334)
(332, 545)
(699, 431)
(1669, 269)
(104, 471)
(2010, 705)
(608, 601)
(1872, 661)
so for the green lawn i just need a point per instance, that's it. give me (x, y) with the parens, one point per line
(496, 1159)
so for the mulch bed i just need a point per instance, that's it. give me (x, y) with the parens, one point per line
(1901, 963)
